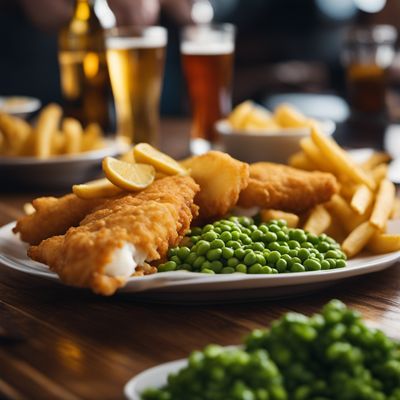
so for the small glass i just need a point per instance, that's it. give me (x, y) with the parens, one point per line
(135, 57)
(368, 52)
(207, 53)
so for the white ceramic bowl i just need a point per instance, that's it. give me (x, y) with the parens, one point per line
(275, 146)
(20, 106)
(57, 172)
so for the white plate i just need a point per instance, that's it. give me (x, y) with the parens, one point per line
(57, 172)
(199, 288)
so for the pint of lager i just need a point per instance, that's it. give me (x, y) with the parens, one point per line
(136, 62)
(207, 58)
(84, 76)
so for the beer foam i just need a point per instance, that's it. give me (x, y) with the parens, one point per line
(204, 48)
(150, 41)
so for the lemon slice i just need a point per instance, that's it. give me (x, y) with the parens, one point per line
(145, 153)
(94, 189)
(127, 175)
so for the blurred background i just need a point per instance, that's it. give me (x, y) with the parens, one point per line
(283, 47)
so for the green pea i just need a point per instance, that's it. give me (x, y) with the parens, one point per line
(332, 254)
(183, 252)
(297, 234)
(217, 244)
(266, 270)
(332, 262)
(282, 236)
(340, 263)
(191, 258)
(207, 271)
(270, 237)
(185, 266)
(312, 238)
(245, 239)
(274, 228)
(287, 258)
(241, 268)
(297, 267)
(206, 265)
(245, 221)
(293, 253)
(168, 266)
(256, 235)
(259, 246)
(250, 258)
(261, 259)
(235, 235)
(195, 239)
(202, 247)
(225, 228)
(226, 236)
(239, 253)
(196, 231)
(173, 251)
(323, 247)
(325, 264)
(303, 254)
(312, 265)
(217, 230)
(214, 254)
(198, 262)
(227, 252)
(263, 228)
(283, 250)
(208, 228)
(232, 262)
(255, 268)
(293, 244)
(209, 236)
(273, 257)
(227, 270)
(216, 266)
(281, 265)
(176, 260)
(274, 246)
(234, 244)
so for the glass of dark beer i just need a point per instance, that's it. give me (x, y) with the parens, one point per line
(207, 58)
(368, 52)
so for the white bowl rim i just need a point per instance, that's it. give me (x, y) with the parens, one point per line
(113, 146)
(223, 127)
(30, 104)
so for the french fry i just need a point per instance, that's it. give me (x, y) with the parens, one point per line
(301, 161)
(395, 213)
(383, 204)
(292, 220)
(259, 119)
(92, 138)
(341, 210)
(237, 117)
(289, 117)
(318, 220)
(358, 238)
(338, 158)
(72, 129)
(15, 132)
(57, 143)
(375, 159)
(336, 230)
(383, 243)
(347, 190)
(314, 154)
(362, 199)
(379, 172)
(48, 122)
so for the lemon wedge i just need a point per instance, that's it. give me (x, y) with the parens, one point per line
(145, 153)
(94, 189)
(128, 176)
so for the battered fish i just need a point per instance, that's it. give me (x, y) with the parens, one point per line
(221, 179)
(113, 242)
(285, 188)
(53, 216)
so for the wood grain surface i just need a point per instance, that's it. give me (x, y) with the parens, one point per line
(67, 343)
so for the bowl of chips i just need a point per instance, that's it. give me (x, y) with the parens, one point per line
(252, 133)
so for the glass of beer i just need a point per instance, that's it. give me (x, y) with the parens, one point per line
(135, 57)
(367, 54)
(207, 57)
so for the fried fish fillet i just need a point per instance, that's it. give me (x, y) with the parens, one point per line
(285, 188)
(121, 235)
(221, 179)
(53, 216)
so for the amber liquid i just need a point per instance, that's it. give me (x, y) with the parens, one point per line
(209, 79)
(84, 76)
(367, 88)
(136, 72)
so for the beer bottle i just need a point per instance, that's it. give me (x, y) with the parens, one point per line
(83, 67)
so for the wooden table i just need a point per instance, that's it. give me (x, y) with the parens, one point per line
(75, 345)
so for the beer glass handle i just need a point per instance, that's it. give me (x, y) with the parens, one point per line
(202, 12)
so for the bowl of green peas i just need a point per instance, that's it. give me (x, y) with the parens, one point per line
(331, 355)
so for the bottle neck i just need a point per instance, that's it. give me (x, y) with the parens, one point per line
(83, 9)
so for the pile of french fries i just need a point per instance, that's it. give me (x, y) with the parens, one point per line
(357, 216)
(51, 136)
(249, 117)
